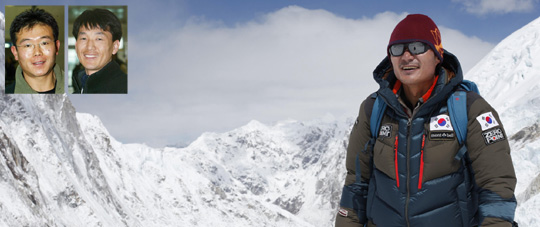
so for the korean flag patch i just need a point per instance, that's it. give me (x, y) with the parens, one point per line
(440, 123)
(487, 121)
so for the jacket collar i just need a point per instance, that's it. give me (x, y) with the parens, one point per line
(103, 74)
(22, 87)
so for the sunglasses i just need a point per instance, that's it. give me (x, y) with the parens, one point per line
(414, 48)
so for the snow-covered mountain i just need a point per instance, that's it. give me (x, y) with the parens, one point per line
(62, 168)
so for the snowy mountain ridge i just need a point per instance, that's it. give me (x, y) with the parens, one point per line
(62, 168)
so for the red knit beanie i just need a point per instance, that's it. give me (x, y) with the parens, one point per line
(418, 27)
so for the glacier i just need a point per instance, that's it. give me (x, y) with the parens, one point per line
(63, 168)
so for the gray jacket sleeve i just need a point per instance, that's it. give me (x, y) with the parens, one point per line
(491, 162)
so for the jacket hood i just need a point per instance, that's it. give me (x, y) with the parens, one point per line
(450, 76)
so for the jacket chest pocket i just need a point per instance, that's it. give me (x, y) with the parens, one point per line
(385, 150)
(439, 151)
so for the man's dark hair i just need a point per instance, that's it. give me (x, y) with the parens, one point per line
(30, 18)
(98, 18)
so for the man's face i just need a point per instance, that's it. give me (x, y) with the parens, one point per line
(95, 48)
(415, 69)
(36, 50)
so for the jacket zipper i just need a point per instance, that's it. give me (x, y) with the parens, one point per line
(396, 160)
(408, 171)
(409, 122)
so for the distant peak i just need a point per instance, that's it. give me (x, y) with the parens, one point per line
(254, 125)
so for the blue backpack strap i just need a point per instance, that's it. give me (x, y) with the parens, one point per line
(457, 108)
(377, 114)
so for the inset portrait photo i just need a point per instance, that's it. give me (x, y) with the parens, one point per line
(97, 52)
(34, 50)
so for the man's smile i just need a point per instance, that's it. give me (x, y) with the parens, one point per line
(90, 55)
(38, 63)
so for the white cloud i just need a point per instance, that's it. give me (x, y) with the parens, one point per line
(469, 50)
(292, 63)
(482, 7)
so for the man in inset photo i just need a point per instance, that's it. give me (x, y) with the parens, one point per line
(34, 34)
(98, 33)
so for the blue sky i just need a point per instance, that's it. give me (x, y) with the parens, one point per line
(210, 66)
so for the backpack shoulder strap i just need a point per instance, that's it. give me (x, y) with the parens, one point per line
(457, 108)
(377, 113)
